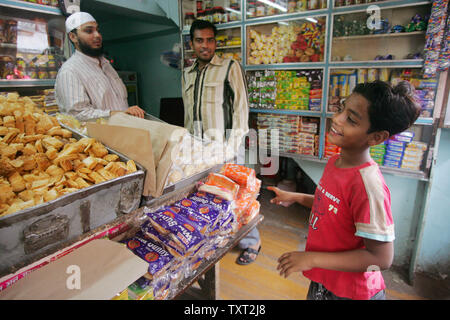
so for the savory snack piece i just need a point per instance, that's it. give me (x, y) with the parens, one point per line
(40, 161)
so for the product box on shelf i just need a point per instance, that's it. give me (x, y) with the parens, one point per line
(285, 89)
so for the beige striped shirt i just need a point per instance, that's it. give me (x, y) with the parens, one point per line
(203, 97)
(87, 90)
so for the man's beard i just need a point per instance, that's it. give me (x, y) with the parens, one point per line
(87, 50)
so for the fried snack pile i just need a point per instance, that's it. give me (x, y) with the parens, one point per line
(40, 161)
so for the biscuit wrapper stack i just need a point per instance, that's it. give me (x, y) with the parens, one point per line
(176, 239)
(40, 161)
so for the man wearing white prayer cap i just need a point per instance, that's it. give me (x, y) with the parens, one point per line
(87, 86)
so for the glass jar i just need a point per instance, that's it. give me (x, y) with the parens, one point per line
(208, 4)
(292, 5)
(201, 15)
(302, 5)
(209, 15)
(260, 9)
(51, 64)
(251, 9)
(42, 73)
(199, 5)
(32, 73)
(189, 19)
(313, 4)
(233, 15)
(217, 16)
(224, 13)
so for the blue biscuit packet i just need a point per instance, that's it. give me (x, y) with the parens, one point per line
(212, 200)
(157, 258)
(198, 218)
(179, 229)
(166, 242)
(199, 211)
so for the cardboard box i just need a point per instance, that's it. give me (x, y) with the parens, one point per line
(98, 270)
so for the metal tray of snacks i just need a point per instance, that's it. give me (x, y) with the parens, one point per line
(31, 233)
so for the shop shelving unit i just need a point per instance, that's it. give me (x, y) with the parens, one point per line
(31, 11)
(427, 124)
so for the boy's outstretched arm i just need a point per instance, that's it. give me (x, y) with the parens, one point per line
(375, 253)
(304, 199)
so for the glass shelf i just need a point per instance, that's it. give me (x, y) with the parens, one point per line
(31, 45)
(219, 12)
(294, 41)
(35, 7)
(274, 8)
(343, 81)
(399, 35)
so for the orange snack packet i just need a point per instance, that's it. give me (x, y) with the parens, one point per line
(244, 176)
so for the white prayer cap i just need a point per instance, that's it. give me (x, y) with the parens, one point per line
(77, 19)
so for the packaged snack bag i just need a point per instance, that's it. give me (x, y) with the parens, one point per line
(220, 186)
(212, 200)
(158, 259)
(180, 230)
(245, 193)
(149, 232)
(201, 217)
(242, 175)
(251, 211)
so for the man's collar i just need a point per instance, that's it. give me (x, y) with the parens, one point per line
(216, 60)
(89, 58)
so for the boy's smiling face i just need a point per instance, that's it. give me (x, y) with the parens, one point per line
(349, 125)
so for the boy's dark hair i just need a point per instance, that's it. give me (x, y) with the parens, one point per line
(200, 25)
(393, 109)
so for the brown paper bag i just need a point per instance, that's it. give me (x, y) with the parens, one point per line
(131, 142)
(160, 132)
(165, 141)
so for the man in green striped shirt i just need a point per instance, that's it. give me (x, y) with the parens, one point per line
(216, 107)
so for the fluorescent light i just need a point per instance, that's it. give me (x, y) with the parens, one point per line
(283, 23)
(311, 19)
(232, 10)
(276, 6)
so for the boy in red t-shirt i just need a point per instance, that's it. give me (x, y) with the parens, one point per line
(351, 230)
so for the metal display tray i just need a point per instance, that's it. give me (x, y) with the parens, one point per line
(30, 234)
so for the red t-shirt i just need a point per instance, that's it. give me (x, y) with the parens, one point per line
(349, 204)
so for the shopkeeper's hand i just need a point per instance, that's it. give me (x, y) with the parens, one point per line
(136, 111)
